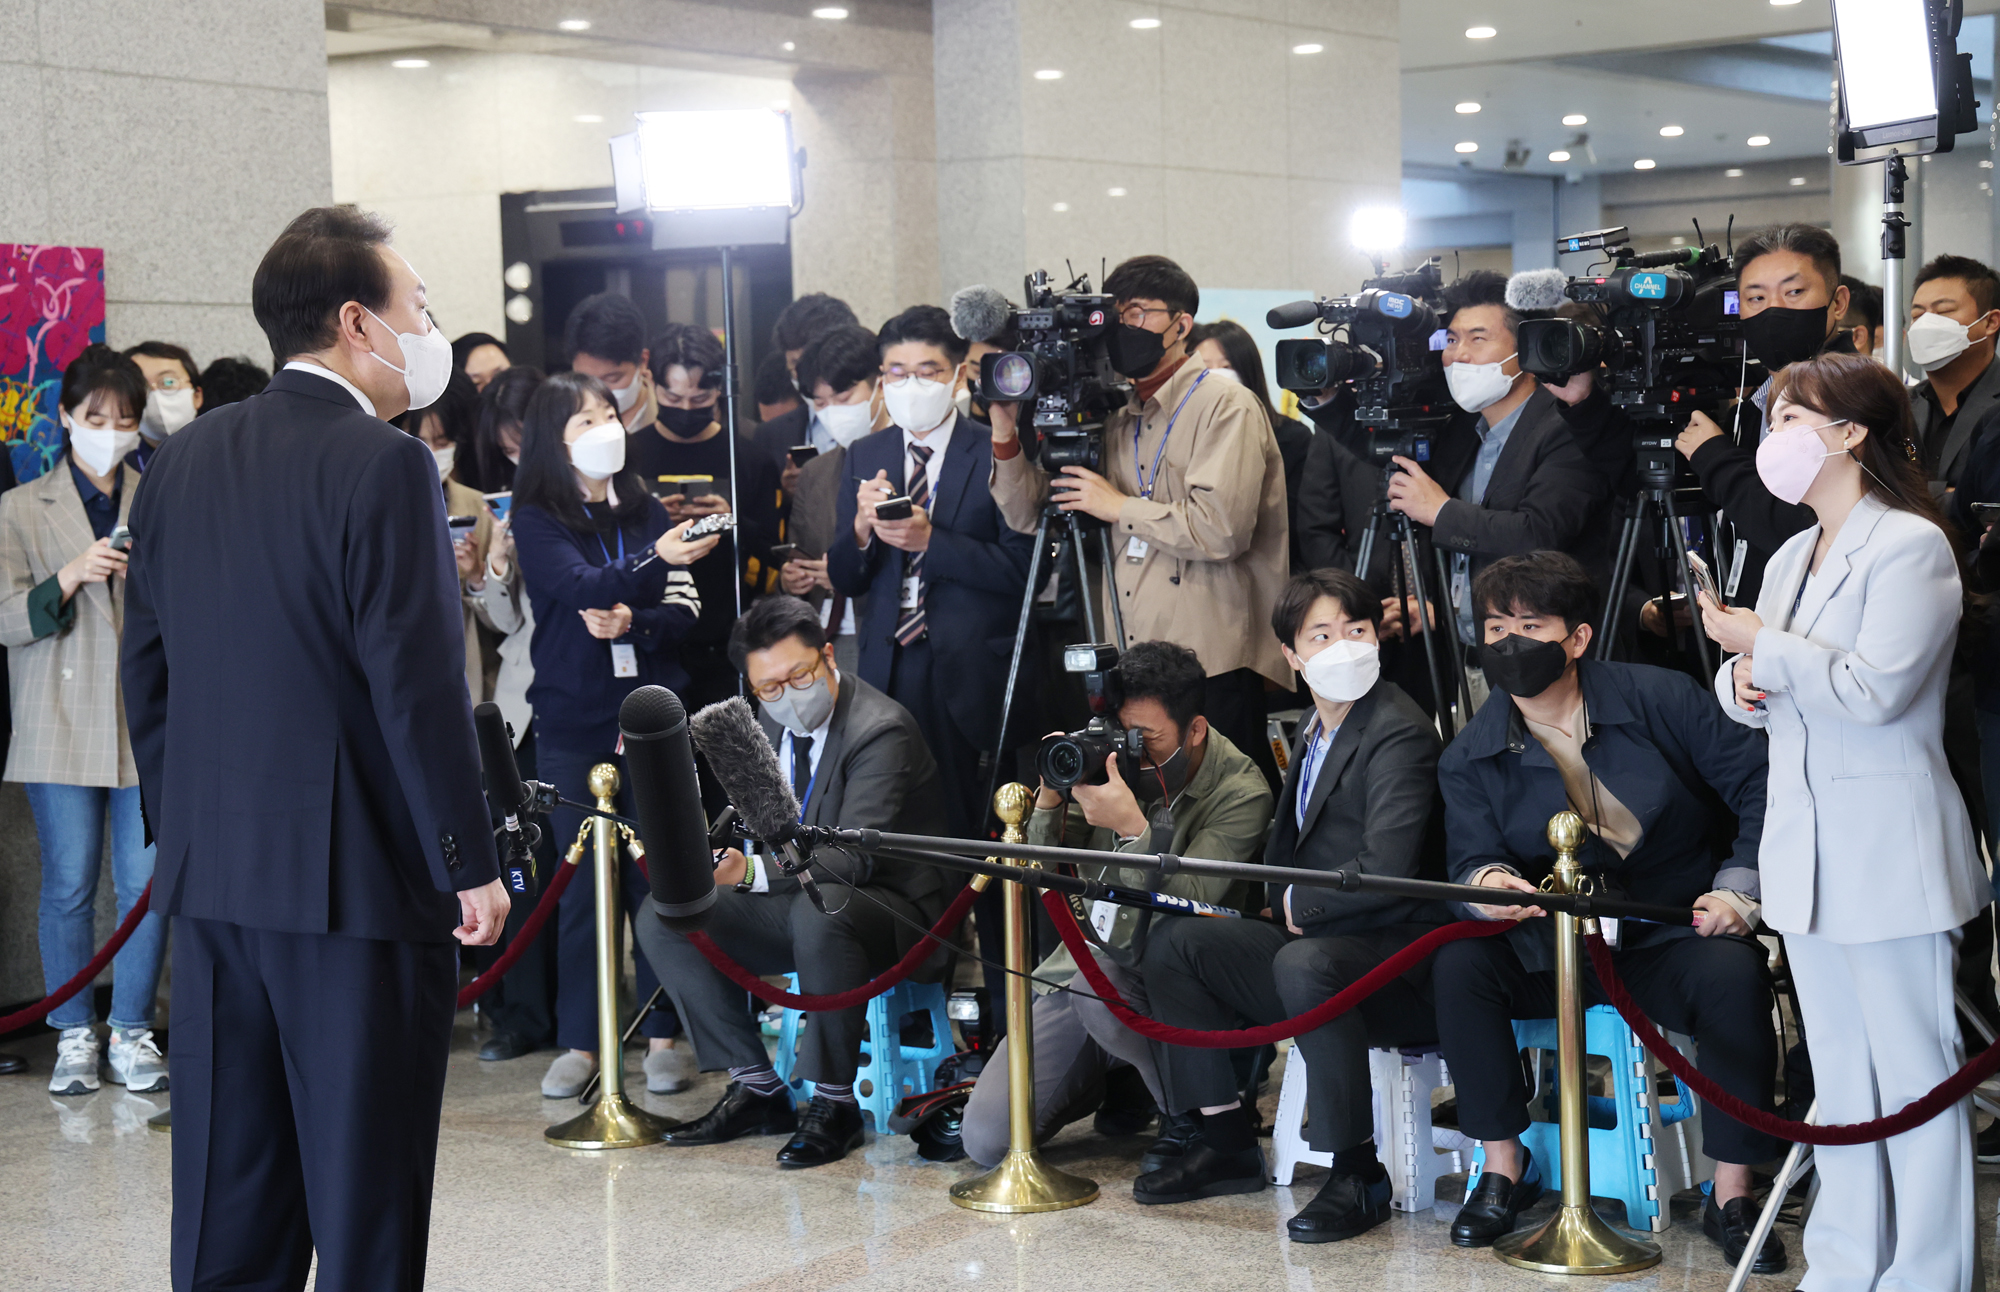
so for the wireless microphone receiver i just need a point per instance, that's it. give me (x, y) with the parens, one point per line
(666, 794)
(506, 791)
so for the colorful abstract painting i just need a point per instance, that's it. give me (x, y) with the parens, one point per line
(51, 307)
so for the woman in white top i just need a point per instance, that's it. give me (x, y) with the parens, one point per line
(1868, 860)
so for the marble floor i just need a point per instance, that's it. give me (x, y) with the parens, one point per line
(84, 1207)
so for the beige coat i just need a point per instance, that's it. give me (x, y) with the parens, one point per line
(1216, 536)
(460, 500)
(69, 707)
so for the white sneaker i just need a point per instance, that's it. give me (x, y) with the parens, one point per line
(76, 1062)
(669, 1071)
(568, 1075)
(136, 1061)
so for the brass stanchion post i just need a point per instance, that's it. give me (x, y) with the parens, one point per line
(613, 1121)
(1575, 1240)
(1022, 1181)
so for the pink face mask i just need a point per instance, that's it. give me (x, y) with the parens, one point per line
(1788, 461)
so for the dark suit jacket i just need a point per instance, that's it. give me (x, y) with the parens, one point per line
(1946, 459)
(874, 774)
(1374, 810)
(977, 569)
(1543, 494)
(294, 670)
(775, 437)
(1336, 502)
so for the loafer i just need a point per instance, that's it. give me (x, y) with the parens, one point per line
(1177, 1132)
(828, 1132)
(11, 1064)
(1729, 1226)
(741, 1111)
(502, 1046)
(1346, 1205)
(568, 1075)
(1202, 1173)
(1496, 1205)
(669, 1071)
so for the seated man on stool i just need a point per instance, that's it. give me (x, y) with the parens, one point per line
(856, 760)
(1219, 805)
(1360, 796)
(1641, 754)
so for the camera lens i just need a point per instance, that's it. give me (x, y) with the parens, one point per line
(1013, 376)
(1302, 365)
(1061, 762)
(1561, 348)
(1346, 362)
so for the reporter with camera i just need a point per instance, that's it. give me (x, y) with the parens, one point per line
(1193, 488)
(1360, 796)
(1215, 803)
(836, 373)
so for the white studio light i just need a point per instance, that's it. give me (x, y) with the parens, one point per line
(1885, 62)
(706, 161)
(1378, 228)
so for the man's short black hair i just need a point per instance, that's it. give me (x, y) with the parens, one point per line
(1808, 240)
(1864, 303)
(1154, 278)
(606, 326)
(687, 346)
(462, 348)
(770, 621)
(1548, 584)
(1168, 673)
(168, 350)
(774, 384)
(100, 370)
(325, 258)
(807, 317)
(231, 380)
(1357, 601)
(839, 358)
(929, 324)
(1481, 287)
(1978, 277)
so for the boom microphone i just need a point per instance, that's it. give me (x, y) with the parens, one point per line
(979, 313)
(747, 766)
(667, 796)
(1536, 290)
(506, 792)
(1294, 314)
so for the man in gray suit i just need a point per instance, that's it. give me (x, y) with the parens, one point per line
(857, 760)
(1360, 795)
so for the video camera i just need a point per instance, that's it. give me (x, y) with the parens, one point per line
(1062, 368)
(1078, 757)
(1388, 350)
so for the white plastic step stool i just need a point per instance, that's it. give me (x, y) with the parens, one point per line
(1414, 1153)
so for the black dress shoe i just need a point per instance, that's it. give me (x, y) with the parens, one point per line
(506, 1045)
(741, 1111)
(1729, 1225)
(1128, 1107)
(828, 1132)
(1177, 1132)
(1987, 1151)
(1345, 1205)
(1202, 1173)
(11, 1063)
(1496, 1204)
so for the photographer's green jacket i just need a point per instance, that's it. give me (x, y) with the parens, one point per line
(1222, 814)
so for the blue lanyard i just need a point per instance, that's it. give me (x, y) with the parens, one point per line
(604, 548)
(1146, 489)
(811, 781)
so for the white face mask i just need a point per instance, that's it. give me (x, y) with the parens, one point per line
(628, 394)
(599, 452)
(962, 401)
(1476, 385)
(1224, 374)
(166, 412)
(100, 448)
(1935, 340)
(426, 366)
(445, 456)
(916, 405)
(1344, 671)
(846, 423)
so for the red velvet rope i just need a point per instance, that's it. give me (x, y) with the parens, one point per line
(48, 1005)
(1954, 1088)
(529, 929)
(867, 991)
(1326, 1011)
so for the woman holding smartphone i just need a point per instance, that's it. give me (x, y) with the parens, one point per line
(1868, 863)
(606, 576)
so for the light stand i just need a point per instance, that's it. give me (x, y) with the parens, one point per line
(1894, 175)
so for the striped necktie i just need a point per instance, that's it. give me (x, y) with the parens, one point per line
(910, 628)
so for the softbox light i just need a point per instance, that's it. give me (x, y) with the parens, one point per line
(711, 178)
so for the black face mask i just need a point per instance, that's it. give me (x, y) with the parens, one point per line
(1135, 351)
(1523, 666)
(1780, 336)
(1146, 782)
(688, 422)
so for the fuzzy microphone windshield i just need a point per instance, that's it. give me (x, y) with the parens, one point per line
(746, 765)
(979, 312)
(1536, 290)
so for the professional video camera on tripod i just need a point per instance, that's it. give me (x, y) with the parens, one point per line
(1671, 345)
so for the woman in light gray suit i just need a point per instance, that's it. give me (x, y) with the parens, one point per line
(1868, 859)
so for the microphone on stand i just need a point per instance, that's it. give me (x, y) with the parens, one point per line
(666, 795)
(509, 795)
(747, 767)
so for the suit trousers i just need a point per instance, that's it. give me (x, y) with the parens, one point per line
(1213, 975)
(308, 1080)
(1077, 1042)
(1880, 1019)
(1715, 990)
(779, 933)
(917, 685)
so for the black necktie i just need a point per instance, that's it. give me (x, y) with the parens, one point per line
(802, 747)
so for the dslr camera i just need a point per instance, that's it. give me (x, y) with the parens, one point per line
(1062, 371)
(1078, 757)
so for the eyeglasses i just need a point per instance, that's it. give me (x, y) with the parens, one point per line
(928, 371)
(801, 681)
(169, 382)
(1136, 315)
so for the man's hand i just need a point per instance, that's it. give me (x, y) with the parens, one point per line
(1006, 422)
(1111, 806)
(1501, 879)
(608, 625)
(1653, 621)
(788, 479)
(1747, 693)
(866, 496)
(730, 867)
(801, 575)
(483, 911)
(1088, 492)
(1392, 620)
(1700, 430)
(1732, 628)
(1576, 389)
(1290, 923)
(1720, 919)
(912, 535)
(1415, 494)
(707, 504)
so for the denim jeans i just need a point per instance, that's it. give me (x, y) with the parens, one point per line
(70, 820)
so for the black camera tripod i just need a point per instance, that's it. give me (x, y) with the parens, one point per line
(1655, 502)
(1407, 580)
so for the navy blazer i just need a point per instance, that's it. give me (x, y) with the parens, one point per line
(294, 669)
(977, 569)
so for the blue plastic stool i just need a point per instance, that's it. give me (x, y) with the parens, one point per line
(1626, 1161)
(890, 1071)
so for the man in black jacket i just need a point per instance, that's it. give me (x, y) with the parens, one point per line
(857, 760)
(1956, 307)
(799, 324)
(1359, 796)
(294, 674)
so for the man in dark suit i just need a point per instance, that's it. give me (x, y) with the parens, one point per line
(1956, 301)
(855, 759)
(1360, 795)
(799, 324)
(943, 586)
(294, 679)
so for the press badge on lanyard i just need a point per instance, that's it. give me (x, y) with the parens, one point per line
(1136, 547)
(912, 583)
(624, 655)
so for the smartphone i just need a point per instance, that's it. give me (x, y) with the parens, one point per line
(802, 454)
(1703, 581)
(783, 552)
(121, 538)
(897, 508)
(685, 486)
(501, 503)
(461, 526)
(1986, 513)
(710, 525)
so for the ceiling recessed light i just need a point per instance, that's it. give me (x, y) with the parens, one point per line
(1466, 109)
(1559, 155)
(789, 46)
(1576, 119)
(1734, 172)
(1644, 163)
(1678, 240)
(1481, 33)
(574, 24)
(588, 119)
(1048, 74)
(1467, 147)
(1145, 24)
(1670, 132)
(1060, 206)
(410, 64)
(1758, 141)
(1114, 192)
(1784, 2)
(1307, 49)
(1797, 181)
(832, 13)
